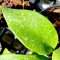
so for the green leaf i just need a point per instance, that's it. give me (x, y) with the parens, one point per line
(0, 13)
(6, 51)
(22, 57)
(56, 54)
(32, 29)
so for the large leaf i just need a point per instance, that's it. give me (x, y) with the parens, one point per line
(22, 57)
(34, 30)
(56, 54)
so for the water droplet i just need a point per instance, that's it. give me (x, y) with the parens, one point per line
(33, 20)
(26, 38)
(26, 59)
(30, 14)
(36, 26)
(33, 41)
(17, 30)
(9, 16)
(22, 13)
(22, 26)
(33, 44)
(24, 18)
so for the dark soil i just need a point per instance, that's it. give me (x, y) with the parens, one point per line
(16, 4)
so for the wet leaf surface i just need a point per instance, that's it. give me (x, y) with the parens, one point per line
(33, 30)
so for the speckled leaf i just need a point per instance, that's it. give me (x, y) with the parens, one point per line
(22, 57)
(56, 54)
(34, 30)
